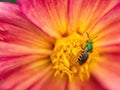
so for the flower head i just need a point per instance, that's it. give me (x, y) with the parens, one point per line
(60, 44)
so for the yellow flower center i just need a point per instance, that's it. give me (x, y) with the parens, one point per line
(65, 56)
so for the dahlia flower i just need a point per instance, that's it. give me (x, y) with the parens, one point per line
(60, 45)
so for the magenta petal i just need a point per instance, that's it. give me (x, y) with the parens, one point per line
(25, 77)
(26, 37)
(108, 27)
(22, 45)
(83, 14)
(16, 29)
(107, 71)
(107, 77)
(49, 15)
(11, 14)
(53, 83)
(93, 84)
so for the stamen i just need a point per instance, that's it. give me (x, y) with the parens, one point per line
(65, 58)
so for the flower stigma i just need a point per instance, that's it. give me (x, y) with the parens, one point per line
(65, 58)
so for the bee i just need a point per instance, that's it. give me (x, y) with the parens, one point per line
(86, 51)
(83, 57)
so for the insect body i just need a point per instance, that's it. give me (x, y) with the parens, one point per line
(83, 57)
(86, 50)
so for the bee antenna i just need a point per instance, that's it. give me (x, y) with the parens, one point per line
(94, 37)
(88, 35)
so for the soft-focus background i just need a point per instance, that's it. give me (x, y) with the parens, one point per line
(13, 1)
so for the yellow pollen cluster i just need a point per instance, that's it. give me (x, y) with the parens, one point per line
(65, 58)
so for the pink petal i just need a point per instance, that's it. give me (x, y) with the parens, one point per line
(111, 57)
(108, 74)
(8, 49)
(73, 86)
(15, 29)
(49, 15)
(52, 83)
(14, 56)
(84, 14)
(22, 47)
(23, 37)
(11, 14)
(25, 74)
(110, 53)
(91, 84)
(108, 28)
(108, 70)
(108, 41)
(13, 36)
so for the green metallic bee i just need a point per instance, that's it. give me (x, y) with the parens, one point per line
(86, 50)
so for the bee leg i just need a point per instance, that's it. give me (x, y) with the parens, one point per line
(82, 47)
(91, 51)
